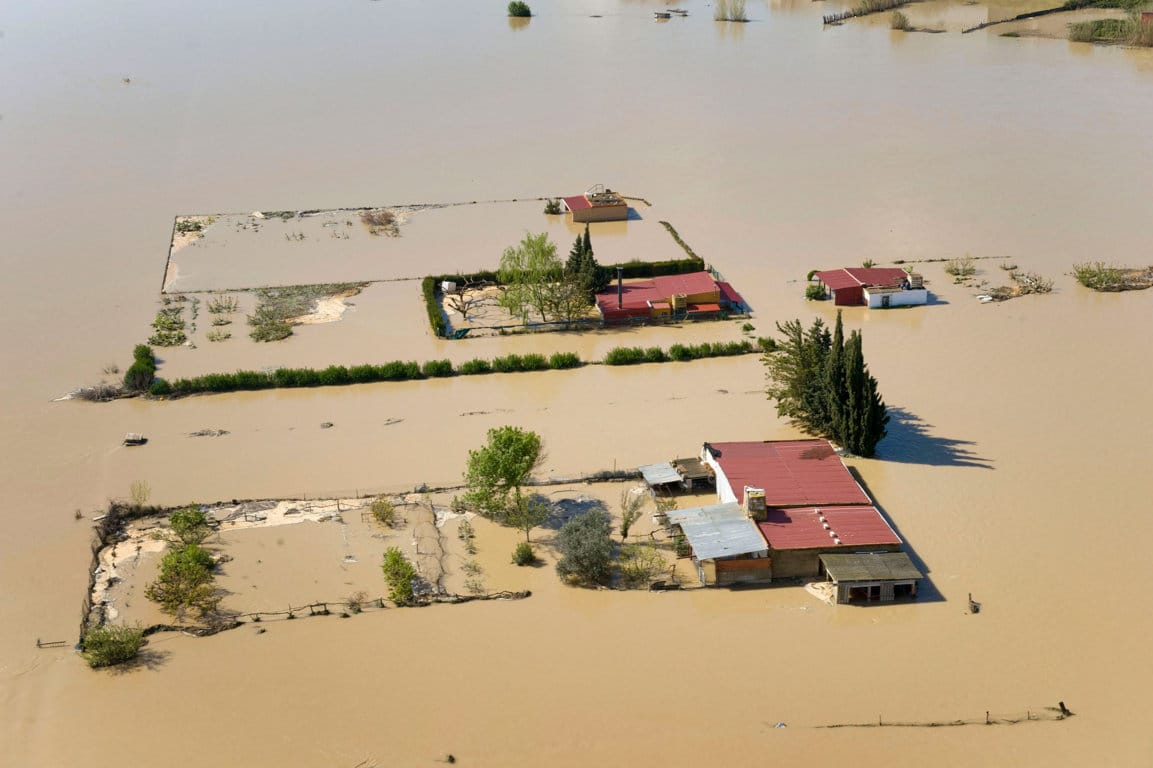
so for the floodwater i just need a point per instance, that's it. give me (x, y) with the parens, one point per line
(1015, 467)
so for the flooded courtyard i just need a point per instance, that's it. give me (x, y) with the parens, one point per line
(1015, 464)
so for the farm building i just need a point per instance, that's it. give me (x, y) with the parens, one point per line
(873, 287)
(597, 204)
(871, 577)
(669, 477)
(725, 544)
(803, 499)
(691, 296)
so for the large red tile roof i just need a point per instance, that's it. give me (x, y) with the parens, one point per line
(802, 528)
(792, 472)
(577, 203)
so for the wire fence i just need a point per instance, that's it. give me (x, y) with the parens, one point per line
(1042, 714)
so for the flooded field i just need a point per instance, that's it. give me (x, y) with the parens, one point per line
(1015, 466)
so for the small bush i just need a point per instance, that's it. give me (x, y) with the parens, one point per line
(1099, 276)
(190, 525)
(815, 292)
(475, 367)
(639, 564)
(383, 511)
(551, 206)
(533, 362)
(748, 327)
(961, 267)
(400, 575)
(586, 548)
(625, 356)
(507, 364)
(437, 369)
(110, 644)
(655, 355)
(680, 353)
(561, 360)
(143, 353)
(523, 554)
(139, 376)
(899, 21)
(520, 9)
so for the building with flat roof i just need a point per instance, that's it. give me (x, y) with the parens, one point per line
(871, 577)
(597, 204)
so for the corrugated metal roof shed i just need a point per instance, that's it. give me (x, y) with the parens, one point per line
(793, 473)
(718, 530)
(802, 528)
(660, 474)
(877, 566)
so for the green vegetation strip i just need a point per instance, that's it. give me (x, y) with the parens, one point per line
(339, 375)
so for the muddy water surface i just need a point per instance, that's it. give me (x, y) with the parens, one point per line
(1015, 465)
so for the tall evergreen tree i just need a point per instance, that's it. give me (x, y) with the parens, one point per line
(835, 386)
(588, 243)
(865, 413)
(796, 374)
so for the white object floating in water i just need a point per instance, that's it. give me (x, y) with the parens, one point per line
(984, 298)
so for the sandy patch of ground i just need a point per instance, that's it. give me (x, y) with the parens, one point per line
(327, 310)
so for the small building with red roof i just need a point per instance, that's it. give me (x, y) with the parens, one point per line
(879, 287)
(597, 204)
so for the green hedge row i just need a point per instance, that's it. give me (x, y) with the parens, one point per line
(680, 352)
(336, 375)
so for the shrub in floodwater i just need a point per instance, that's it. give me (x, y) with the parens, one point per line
(625, 356)
(963, 267)
(730, 10)
(562, 360)
(475, 367)
(523, 554)
(521, 10)
(111, 644)
(533, 362)
(383, 511)
(400, 575)
(899, 21)
(437, 369)
(814, 292)
(552, 206)
(655, 355)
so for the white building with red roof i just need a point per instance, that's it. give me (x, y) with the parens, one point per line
(879, 287)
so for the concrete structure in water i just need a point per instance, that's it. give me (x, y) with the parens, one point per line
(876, 287)
(785, 506)
(597, 204)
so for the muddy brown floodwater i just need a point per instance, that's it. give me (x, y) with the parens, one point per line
(1016, 466)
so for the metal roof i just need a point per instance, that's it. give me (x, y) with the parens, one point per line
(793, 473)
(660, 474)
(851, 277)
(719, 530)
(875, 566)
(854, 526)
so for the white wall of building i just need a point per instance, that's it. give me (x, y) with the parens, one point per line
(725, 494)
(898, 298)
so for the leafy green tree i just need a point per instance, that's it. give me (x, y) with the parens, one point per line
(185, 582)
(631, 506)
(111, 644)
(528, 271)
(586, 548)
(400, 575)
(190, 525)
(497, 471)
(526, 514)
(519, 8)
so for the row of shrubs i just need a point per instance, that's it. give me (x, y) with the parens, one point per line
(337, 375)
(684, 352)
(430, 286)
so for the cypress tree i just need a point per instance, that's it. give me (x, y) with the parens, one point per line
(865, 413)
(588, 244)
(835, 384)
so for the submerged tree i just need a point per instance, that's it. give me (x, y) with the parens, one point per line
(185, 582)
(586, 548)
(497, 471)
(527, 272)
